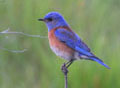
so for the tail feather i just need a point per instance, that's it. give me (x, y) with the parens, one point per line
(99, 61)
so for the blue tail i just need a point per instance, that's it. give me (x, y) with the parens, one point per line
(99, 61)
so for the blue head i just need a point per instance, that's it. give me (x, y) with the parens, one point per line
(53, 20)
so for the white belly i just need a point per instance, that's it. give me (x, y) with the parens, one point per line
(62, 54)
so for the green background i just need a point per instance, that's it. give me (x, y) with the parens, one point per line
(97, 22)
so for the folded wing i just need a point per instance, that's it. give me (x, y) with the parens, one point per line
(73, 41)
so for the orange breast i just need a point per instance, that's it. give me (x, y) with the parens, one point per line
(60, 48)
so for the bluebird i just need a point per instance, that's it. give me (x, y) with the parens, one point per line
(65, 43)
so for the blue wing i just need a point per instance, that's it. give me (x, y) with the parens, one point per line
(73, 41)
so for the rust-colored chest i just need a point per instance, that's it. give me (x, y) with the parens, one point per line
(58, 47)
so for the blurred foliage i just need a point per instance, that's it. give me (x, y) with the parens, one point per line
(96, 21)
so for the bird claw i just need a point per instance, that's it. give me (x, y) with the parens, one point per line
(64, 69)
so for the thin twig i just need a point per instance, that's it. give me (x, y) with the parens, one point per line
(66, 81)
(21, 33)
(65, 72)
(14, 51)
(64, 69)
(7, 31)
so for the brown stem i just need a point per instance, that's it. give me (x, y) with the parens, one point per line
(64, 69)
(65, 72)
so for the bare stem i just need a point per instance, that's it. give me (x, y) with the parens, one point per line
(7, 31)
(65, 72)
(64, 69)
(66, 81)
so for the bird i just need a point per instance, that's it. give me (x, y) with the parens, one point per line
(65, 43)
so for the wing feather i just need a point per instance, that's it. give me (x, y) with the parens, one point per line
(73, 41)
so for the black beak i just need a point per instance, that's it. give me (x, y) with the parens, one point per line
(41, 19)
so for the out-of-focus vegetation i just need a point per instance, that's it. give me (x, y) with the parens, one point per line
(97, 22)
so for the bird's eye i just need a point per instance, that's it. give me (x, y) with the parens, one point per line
(49, 19)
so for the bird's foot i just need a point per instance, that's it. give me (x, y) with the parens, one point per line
(64, 69)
